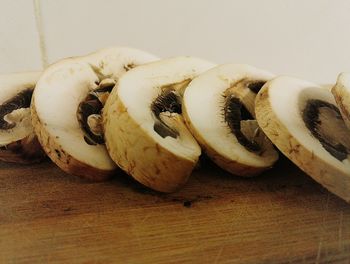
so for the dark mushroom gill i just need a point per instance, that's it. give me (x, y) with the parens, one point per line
(106, 89)
(167, 101)
(90, 106)
(255, 87)
(326, 124)
(234, 113)
(21, 100)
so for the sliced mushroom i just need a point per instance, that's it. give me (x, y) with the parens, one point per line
(144, 130)
(219, 110)
(67, 104)
(18, 142)
(302, 120)
(341, 93)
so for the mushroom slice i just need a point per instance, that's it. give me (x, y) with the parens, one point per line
(67, 104)
(302, 120)
(144, 130)
(341, 93)
(219, 110)
(18, 142)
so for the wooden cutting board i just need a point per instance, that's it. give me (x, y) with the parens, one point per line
(282, 216)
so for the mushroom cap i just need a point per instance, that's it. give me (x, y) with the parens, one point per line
(18, 144)
(280, 107)
(60, 90)
(203, 108)
(341, 93)
(162, 163)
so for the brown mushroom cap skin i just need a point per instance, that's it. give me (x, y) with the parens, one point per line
(26, 150)
(331, 177)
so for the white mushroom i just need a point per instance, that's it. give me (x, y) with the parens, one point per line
(144, 130)
(302, 120)
(67, 104)
(341, 93)
(18, 142)
(218, 107)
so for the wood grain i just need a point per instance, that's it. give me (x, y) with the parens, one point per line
(282, 216)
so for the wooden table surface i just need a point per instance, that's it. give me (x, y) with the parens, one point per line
(282, 216)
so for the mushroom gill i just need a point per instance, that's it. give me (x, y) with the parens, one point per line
(17, 140)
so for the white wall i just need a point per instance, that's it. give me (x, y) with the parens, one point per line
(309, 39)
(19, 49)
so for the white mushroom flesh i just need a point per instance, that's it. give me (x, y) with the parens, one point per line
(66, 84)
(139, 90)
(291, 107)
(206, 100)
(144, 130)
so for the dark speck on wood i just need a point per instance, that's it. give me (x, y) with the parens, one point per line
(187, 203)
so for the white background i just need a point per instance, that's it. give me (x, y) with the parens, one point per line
(305, 38)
